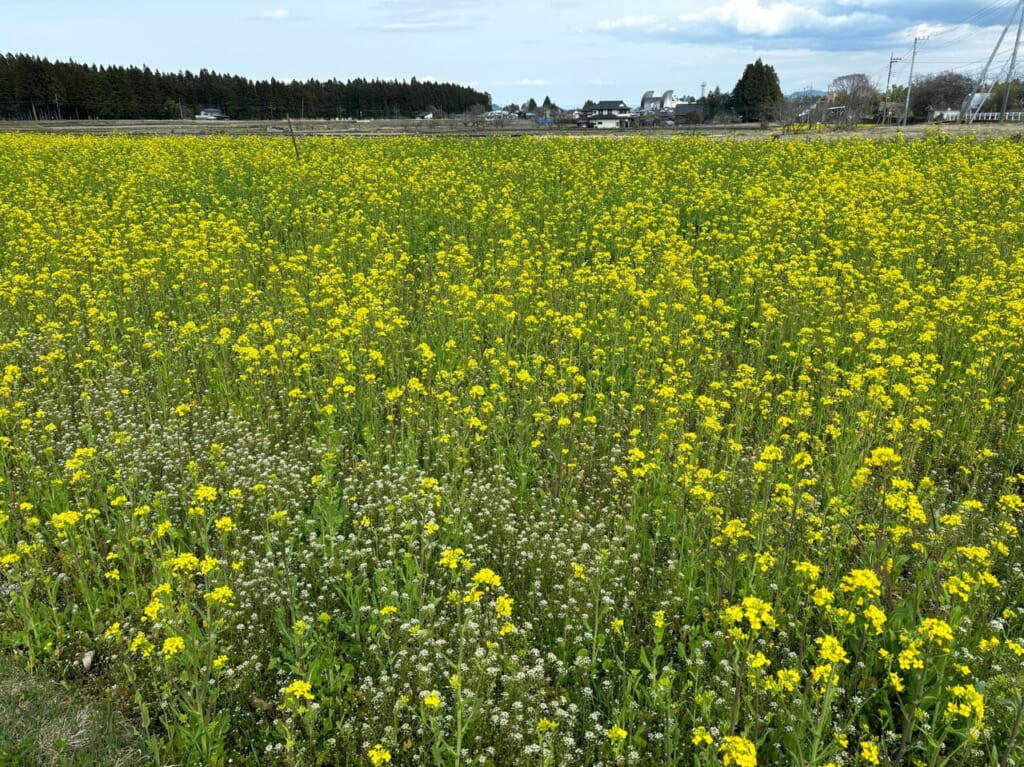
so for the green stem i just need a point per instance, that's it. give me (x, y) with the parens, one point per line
(819, 729)
(908, 721)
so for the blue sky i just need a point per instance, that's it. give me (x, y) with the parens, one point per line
(570, 50)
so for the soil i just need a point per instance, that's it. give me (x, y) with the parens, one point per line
(460, 127)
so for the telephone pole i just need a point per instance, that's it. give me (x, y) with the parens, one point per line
(888, 81)
(910, 79)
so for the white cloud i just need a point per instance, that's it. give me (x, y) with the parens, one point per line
(423, 15)
(277, 14)
(415, 26)
(646, 23)
(755, 18)
(751, 17)
(528, 82)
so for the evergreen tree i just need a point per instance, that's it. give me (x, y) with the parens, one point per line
(717, 105)
(36, 89)
(757, 93)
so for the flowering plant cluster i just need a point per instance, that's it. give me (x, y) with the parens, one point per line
(520, 451)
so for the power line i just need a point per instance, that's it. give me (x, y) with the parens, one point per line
(990, 9)
(1019, 7)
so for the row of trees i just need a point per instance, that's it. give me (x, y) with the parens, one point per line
(35, 88)
(854, 98)
(860, 100)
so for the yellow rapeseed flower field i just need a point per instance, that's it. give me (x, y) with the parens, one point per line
(519, 451)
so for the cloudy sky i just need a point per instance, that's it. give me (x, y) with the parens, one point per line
(570, 50)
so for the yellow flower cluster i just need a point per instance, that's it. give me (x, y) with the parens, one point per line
(735, 416)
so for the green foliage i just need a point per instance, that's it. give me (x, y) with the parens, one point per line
(757, 93)
(717, 103)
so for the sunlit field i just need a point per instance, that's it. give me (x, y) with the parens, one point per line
(519, 451)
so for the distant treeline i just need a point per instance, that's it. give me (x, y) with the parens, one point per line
(33, 88)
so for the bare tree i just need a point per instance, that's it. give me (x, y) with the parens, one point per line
(802, 108)
(857, 94)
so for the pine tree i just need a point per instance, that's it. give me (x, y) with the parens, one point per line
(34, 88)
(757, 93)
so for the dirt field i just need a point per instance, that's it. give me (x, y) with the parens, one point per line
(479, 128)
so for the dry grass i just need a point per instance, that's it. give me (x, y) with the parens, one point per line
(459, 126)
(46, 724)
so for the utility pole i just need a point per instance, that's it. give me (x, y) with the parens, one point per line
(969, 105)
(888, 80)
(910, 79)
(1009, 72)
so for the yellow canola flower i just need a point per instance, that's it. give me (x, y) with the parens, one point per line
(758, 613)
(967, 703)
(545, 725)
(298, 690)
(875, 617)
(737, 751)
(487, 578)
(701, 737)
(378, 755)
(452, 558)
(869, 752)
(225, 524)
(173, 645)
(140, 644)
(615, 734)
(830, 650)
(206, 494)
(220, 595)
(865, 581)
(185, 563)
(937, 631)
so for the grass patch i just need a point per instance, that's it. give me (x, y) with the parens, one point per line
(45, 724)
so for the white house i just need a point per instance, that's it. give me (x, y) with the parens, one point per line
(211, 113)
(605, 115)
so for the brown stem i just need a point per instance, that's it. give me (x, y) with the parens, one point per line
(1013, 734)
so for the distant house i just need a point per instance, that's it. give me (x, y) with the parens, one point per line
(687, 112)
(605, 115)
(424, 115)
(211, 113)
